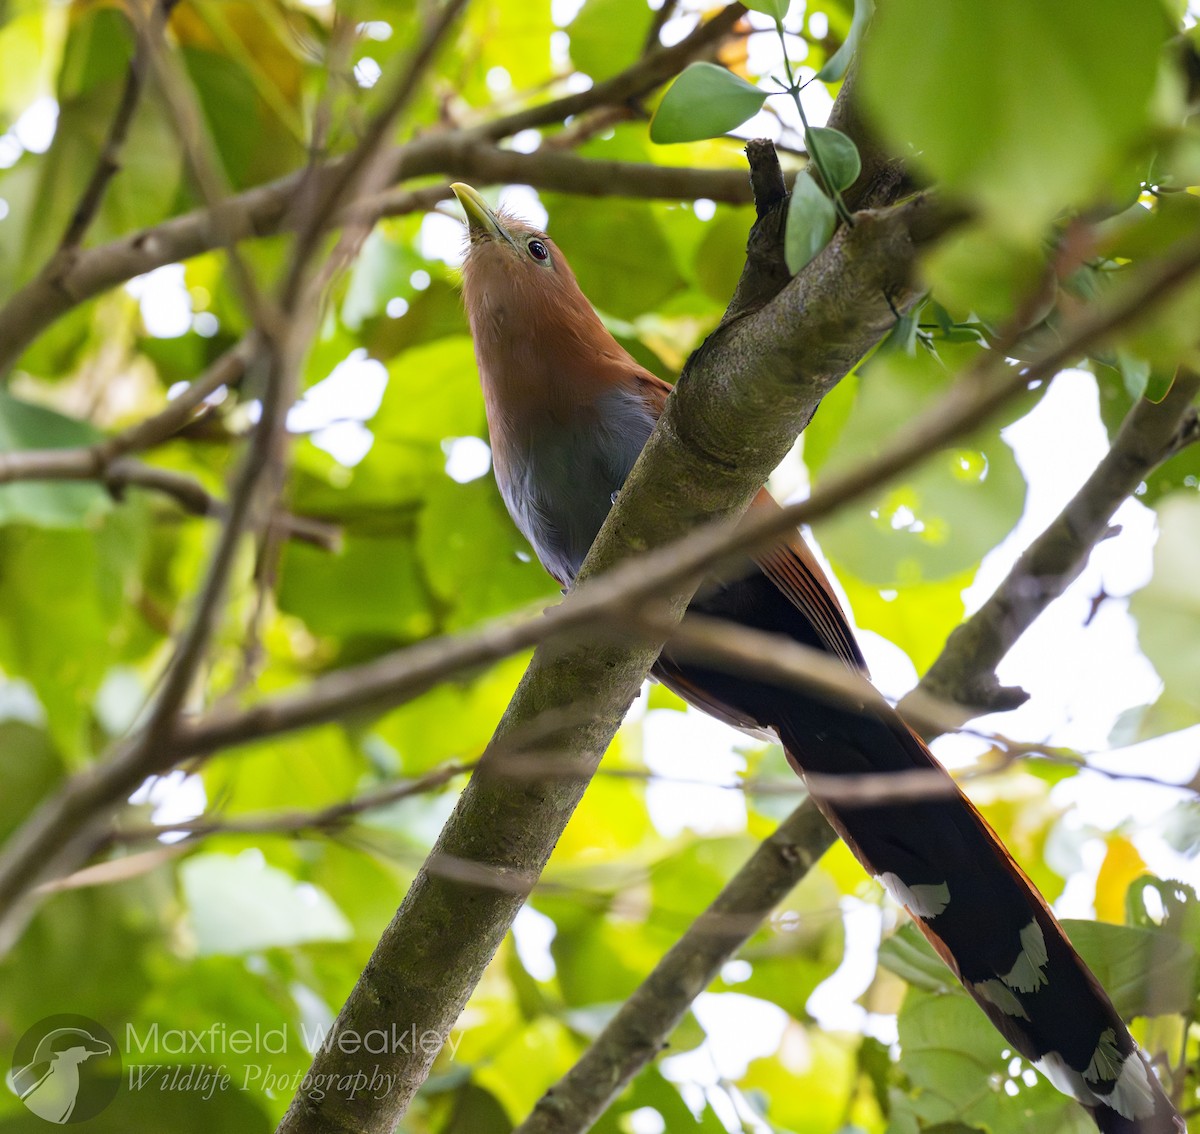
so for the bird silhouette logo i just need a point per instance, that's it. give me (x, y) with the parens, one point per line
(65, 1069)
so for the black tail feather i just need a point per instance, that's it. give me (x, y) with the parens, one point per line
(940, 859)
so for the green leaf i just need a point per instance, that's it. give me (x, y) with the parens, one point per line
(776, 9)
(373, 587)
(453, 721)
(907, 954)
(64, 595)
(471, 553)
(305, 771)
(1146, 972)
(29, 48)
(249, 82)
(476, 1111)
(1025, 106)
(722, 253)
(835, 66)
(45, 503)
(706, 101)
(31, 769)
(625, 263)
(1167, 608)
(918, 621)
(797, 949)
(979, 269)
(941, 519)
(1159, 384)
(810, 223)
(1181, 472)
(1135, 372)
(239, 904)
(95, 62)
(1178, 907)
(607, 35)
(805, 1094)
(381, 272)
(838, 155)
(958, 1066)
(1143, 377)
(650, 1091)
(903, 335)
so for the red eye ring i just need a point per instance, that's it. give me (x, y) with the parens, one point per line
(539, 251)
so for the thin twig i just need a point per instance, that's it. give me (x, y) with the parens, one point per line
(323, 819)
(107, 164)
(200, 154)
(125, 472)
(366, 169)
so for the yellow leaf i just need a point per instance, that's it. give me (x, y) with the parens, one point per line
(1121, 865)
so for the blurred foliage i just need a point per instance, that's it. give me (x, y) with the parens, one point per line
(1044, 119)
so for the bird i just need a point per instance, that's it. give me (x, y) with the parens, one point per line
(569, 411)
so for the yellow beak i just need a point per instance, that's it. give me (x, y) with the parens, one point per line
(481, 220)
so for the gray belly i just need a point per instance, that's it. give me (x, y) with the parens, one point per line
(559, 487)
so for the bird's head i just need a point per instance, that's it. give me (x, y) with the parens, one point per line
(516, 281)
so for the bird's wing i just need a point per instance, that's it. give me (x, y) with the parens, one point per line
(790, 565)
(794, 570)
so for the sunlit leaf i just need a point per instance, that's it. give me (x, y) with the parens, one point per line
(1122, 864)
(1072, 80)
(1167, 608)
(608, 35)
(706, 101)
(776, 9)
(238, 904)
(938, 521)
(835, 66)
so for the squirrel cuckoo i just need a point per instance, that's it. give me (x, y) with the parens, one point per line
(568, 412)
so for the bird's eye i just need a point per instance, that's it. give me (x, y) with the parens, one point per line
(539, 251)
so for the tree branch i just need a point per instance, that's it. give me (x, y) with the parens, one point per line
(639, 1030)
(965, 671)
(732, 417)
(261, 211)
(396, 678)
(121, 473)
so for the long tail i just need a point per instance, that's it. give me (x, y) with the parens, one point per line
(942, 861)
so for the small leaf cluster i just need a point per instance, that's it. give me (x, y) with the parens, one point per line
(708, 101)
